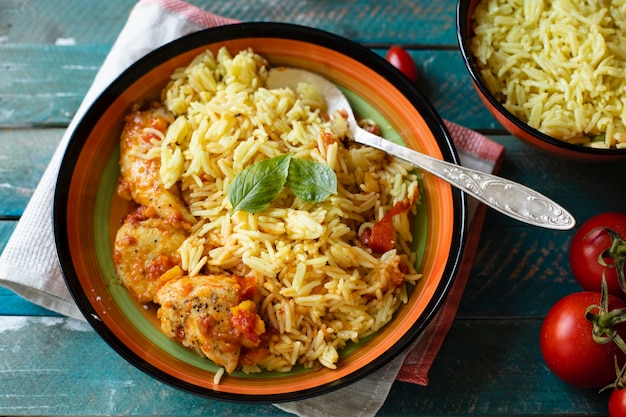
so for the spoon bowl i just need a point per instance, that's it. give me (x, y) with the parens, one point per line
(510, 198)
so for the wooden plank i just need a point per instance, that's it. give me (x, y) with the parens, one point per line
(493, 367)
(57, 366)
(518, 272)
(368, 21)
(44, 85)
(68, 21)
(13, 305)
(527, 267)
(444, 80)
(22, 165)
(6, 228)
(49, 67)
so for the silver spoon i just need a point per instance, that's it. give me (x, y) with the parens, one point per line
(508, 197)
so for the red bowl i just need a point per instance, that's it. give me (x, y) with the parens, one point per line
(515, 126)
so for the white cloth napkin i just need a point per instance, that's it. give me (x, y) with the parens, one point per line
(29, 264)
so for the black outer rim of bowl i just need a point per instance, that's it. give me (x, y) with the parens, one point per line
(462, 18)
(215, 35)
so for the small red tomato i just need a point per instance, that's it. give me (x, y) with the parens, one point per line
(568, 347)
(617, 403)
(380, 238)
(400, 58)
(595, 252)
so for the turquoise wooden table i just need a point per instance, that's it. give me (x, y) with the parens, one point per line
(490, 363)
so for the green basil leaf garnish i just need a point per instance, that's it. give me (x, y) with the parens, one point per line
(311, 181)
(254, 188)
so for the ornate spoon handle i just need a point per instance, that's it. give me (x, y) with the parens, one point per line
(508, 197)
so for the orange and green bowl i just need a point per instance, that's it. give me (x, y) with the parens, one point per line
(87, 211)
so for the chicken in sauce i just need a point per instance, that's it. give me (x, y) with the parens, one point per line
(140, 178)
(213, 314)
(145, 248)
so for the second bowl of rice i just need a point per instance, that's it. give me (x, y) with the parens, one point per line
(552, 73)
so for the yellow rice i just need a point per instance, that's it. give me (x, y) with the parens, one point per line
(320, 289)
(559, 66)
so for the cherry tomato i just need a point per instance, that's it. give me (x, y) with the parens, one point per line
(568, 347)
(400, 58)
(380, 238)
(617, 403)
(596, 251)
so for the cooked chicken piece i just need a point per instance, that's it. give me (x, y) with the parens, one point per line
(140, 178)
(144, 249)
(212, 314)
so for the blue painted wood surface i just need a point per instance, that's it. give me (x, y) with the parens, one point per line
(490, 363)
